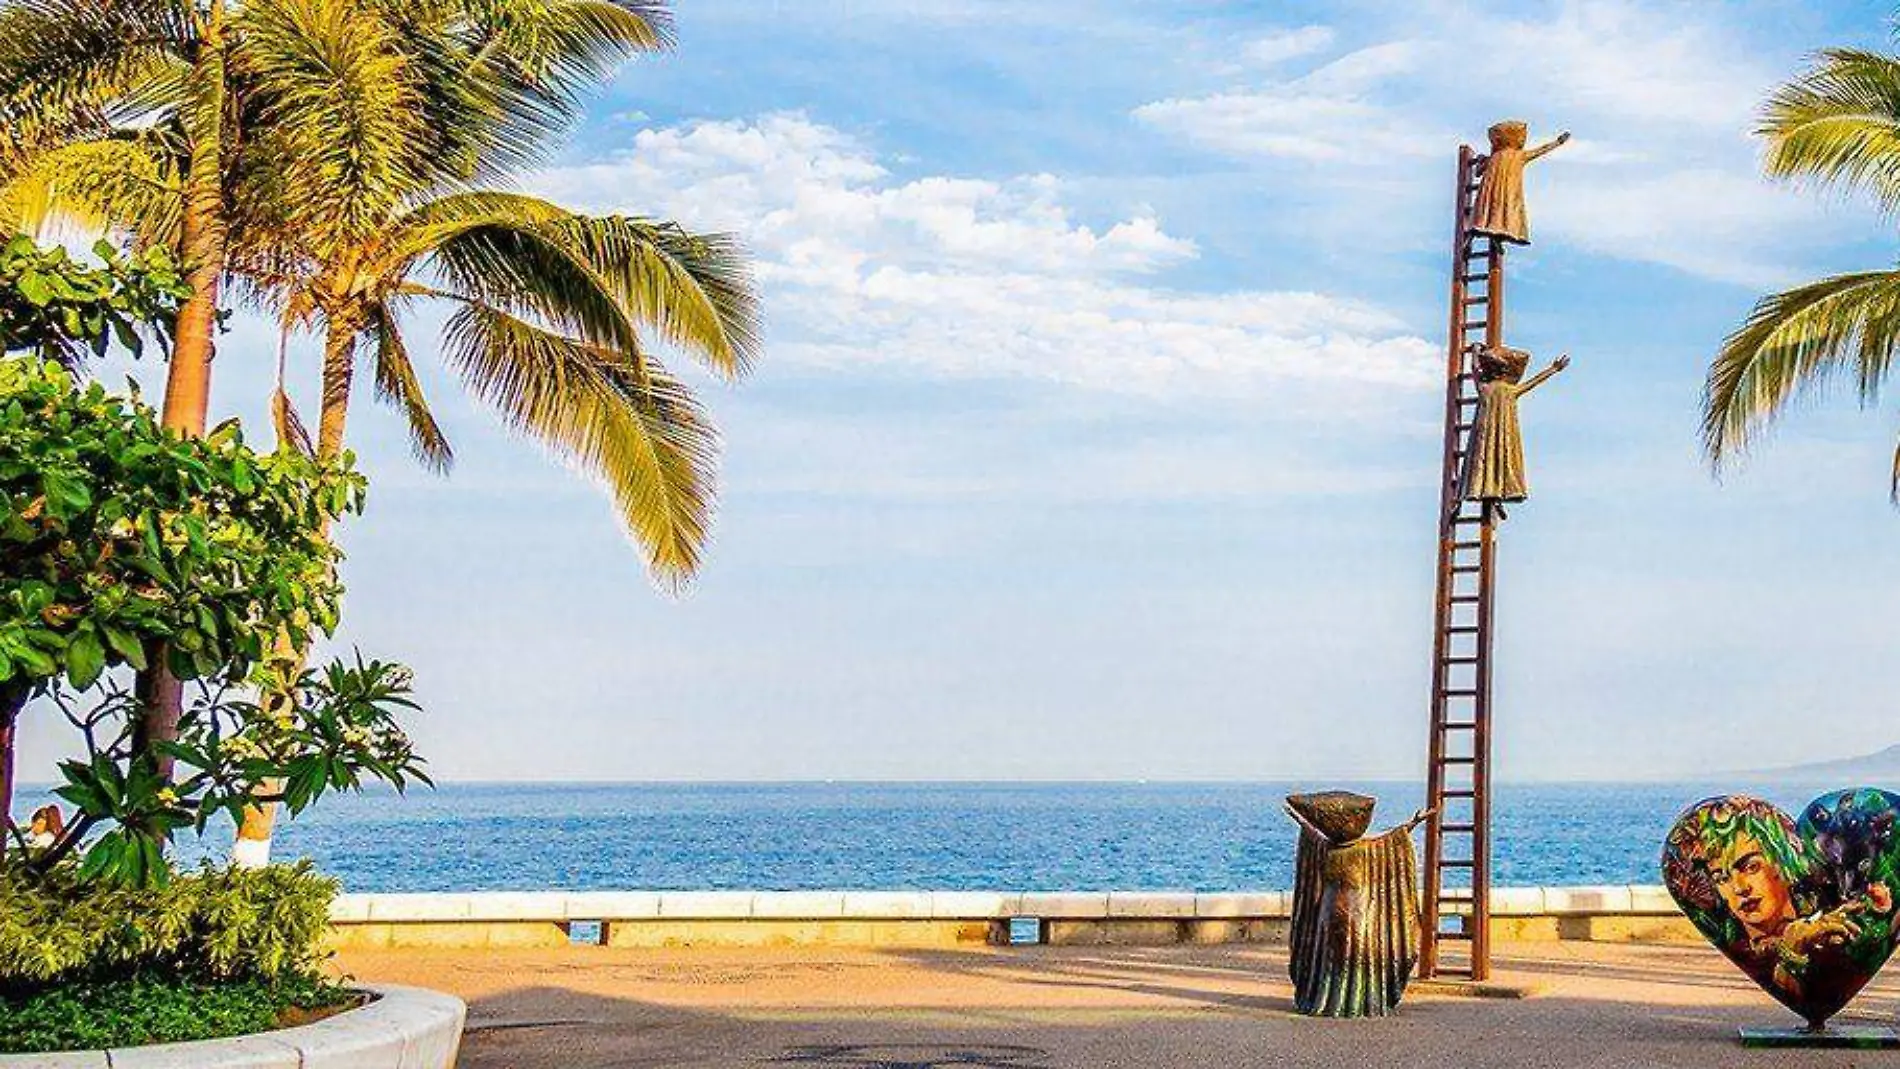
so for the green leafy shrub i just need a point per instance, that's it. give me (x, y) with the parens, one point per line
(214, 925)
(57, 307)
(86, 964)
(119, 535)
(122, 541)
(97, 1015)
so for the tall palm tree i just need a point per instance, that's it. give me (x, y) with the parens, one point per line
(78, 71)
(360, 125)
(551, 315)
(1836, 126)
(550, 308)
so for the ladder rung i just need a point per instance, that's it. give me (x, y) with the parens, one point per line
(1457, 794)
(1455, 863)
(1461, 630)
(1463, 937)
(1479, 277)
(1466, 569)
(1458, 725)
(1457, 829)
(1476, 324)
(1461, 660)
(1467, 545)
(1464, 599)
(1478, 300)
(1457, 760)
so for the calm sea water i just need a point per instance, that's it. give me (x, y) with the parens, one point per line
(1205, 837)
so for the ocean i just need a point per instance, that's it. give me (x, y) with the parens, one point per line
(952, 836)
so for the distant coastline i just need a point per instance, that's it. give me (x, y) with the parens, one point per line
(1879, 768)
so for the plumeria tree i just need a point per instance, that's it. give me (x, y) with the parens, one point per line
(126, 546)
(124, 542)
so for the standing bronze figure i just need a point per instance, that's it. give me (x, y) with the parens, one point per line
(1494, 459)
(1355, 908)
(1499, 211)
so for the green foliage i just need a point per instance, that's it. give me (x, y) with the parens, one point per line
(135, 1012)
(130, 1013)
(352, 134)
(320, 732)
(121, 539)
(58, 929)
(57, 307)
(551, 312)
(118, 535)
(1836, 126)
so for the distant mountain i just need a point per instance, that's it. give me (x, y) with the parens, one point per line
(1881, 769)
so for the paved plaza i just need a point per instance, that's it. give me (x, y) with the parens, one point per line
(1589, 1004)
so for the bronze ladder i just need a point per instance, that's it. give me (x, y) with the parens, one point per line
(1455, 904)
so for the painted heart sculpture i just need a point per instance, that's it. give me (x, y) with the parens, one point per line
(1805, 909)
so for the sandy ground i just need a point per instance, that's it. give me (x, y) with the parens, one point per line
(1603, 1005)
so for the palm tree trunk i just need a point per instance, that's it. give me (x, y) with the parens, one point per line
(252, 848)
(188, 381)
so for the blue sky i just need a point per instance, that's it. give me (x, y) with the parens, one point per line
(1096, 435)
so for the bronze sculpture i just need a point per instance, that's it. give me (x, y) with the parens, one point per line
(1499, 211)
(1355, 908)
(1494, 455)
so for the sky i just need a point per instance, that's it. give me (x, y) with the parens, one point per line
(1097, 432)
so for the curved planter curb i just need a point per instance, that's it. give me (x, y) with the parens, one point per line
(405, 1028)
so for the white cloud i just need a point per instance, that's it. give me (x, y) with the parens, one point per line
(1280, 46)
(1662, 98)
(1292, 125)
(977, 277)
(1705, 221)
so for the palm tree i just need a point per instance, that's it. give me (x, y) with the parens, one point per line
(148, 105)
(551, 312)
(346, 199)
(551, 308)
(74, 72)
(1836, 126)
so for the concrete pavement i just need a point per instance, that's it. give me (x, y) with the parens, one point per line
(586, 1007)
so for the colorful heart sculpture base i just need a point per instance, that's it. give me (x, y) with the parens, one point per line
(1805, 909)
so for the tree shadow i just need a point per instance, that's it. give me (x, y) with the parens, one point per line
(559, 1013)
(917, 1056)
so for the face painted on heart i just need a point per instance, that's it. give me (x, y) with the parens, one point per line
(1806, 910)
(1754, 890)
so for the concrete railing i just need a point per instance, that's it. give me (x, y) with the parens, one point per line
(937, 918)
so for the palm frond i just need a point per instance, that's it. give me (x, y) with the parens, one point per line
(1838, 124)
(529, 268)
(501, 80)
(632, 426)
(566, 43)
(292, 435)
(428, 223)
(696, 290)
(337, 130)
(288, 425)
(120, 184)
(74, 65)
(1797, 341)
(397, 385)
